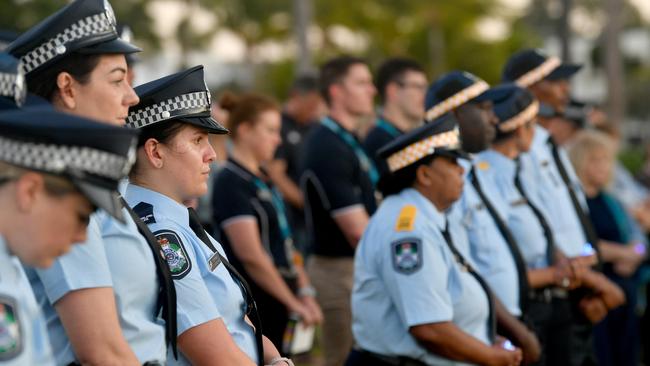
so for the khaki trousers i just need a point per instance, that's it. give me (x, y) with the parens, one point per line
(333, 279)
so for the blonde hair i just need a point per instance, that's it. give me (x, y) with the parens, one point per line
(586, 143)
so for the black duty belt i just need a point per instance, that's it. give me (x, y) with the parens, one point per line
(370, 358)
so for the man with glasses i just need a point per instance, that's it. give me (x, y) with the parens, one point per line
(402, 85)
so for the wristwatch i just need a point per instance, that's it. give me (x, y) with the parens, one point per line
(307, 291)
(277, 360)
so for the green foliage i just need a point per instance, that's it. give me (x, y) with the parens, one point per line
(632, 158)
(20, 15)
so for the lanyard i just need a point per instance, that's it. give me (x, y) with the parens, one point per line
(390, 129)
(278, 205)
(366, 164)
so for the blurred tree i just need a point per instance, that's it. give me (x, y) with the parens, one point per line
(20, 15)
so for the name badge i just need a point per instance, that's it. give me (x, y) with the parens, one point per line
(214, 261)
(264, 195)
(519, 202)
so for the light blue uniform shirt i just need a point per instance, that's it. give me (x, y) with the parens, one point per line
(114, 255)
(521, 219)
(204, 292)
(455, 215)
(489, 251)
(405, 275)
(542, 180)
(23, 336)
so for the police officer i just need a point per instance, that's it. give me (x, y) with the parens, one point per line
(102, 300)
(474, 227)
(497, 169)
(546, 172)
(47, 194)
(173, 165)
(401, 84)
(409, 276)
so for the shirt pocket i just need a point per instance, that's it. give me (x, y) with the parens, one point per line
(477, 221)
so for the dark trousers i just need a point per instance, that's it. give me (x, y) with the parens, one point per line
(273, 313)
(562, 347)
(364, 358)
(539, 316)
(616, 337)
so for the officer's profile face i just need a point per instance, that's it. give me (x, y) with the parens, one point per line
(262, 138)
(106, 96)
(409, 94)
(477, 123)
(552, 92)
(525, 135)
(561, 129)
(441, 181)
(184, 162)
(355, 91)
(47, 223)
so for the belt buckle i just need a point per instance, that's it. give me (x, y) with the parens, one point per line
(548, 295)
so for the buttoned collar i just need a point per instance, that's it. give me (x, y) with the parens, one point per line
(429, 210)
(541, 135)
(162, 204)
(499, 162)
(4, 250)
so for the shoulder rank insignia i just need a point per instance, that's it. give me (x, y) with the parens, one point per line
(174, 252)
(10, 333)
(406, 218)
(483, 165)
(145, 211)
(407, 255)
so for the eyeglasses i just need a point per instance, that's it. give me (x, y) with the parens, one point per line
(412, 85)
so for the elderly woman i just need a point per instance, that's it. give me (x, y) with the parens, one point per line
(592, 154)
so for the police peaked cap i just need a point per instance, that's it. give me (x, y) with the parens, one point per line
(529, 66)
(183, 97)
(93, 156)
(515, 107)
(83, 26)
(436, 138)
(13, 88)
(452, 90)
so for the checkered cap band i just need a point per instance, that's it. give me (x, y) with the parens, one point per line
(168, 109)
(96, 24)
(538, 73)
(57, 158)
(520, 119)
(13, 86)
(456, 100)
(422, 148)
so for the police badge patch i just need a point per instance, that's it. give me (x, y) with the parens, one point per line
(173, 251)
(407, 255)
(10, 332)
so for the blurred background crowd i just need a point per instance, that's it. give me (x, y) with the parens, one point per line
(274, 47)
